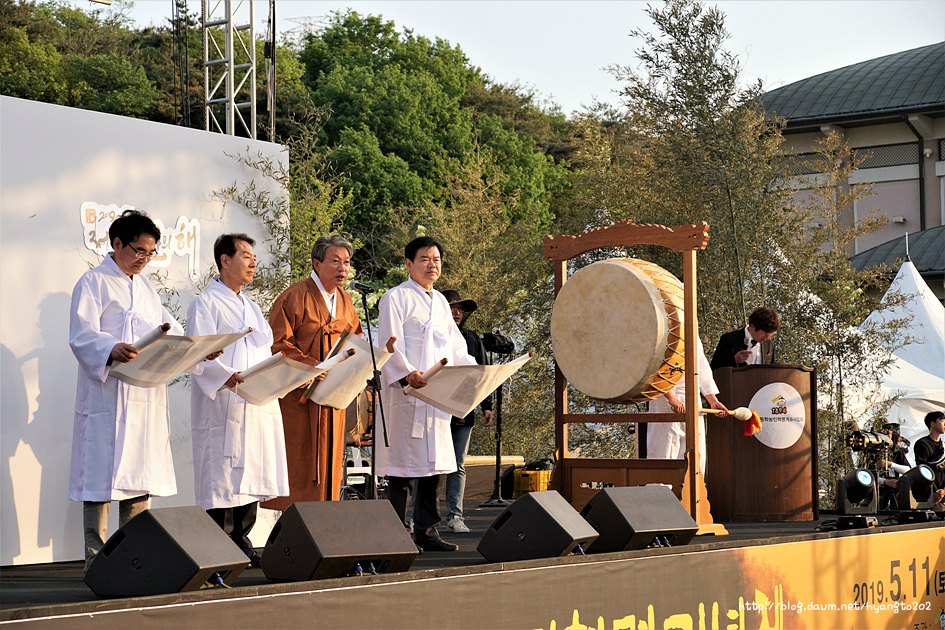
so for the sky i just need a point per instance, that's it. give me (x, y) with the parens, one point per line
(561, 48)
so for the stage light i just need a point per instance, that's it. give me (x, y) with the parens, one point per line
(857, 493)
(914, 492)
(857, 497)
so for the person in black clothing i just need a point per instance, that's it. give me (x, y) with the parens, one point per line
(888, 464)
(461, 428)
(930, 450)
(751, 345)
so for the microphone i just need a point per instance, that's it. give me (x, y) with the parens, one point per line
(363, 289)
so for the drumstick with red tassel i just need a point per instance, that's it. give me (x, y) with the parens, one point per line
(748, 416)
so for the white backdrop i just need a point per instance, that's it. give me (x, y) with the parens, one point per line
(62, 171)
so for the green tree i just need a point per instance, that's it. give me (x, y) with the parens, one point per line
(171, 56)
(390, 95)
(693, 145)
(60, 54)
(29, 69)
(495, 260)
(830, 302)
(401, 125)
(110, 84)
(292, 95)
(307, 204)
(520, 110)
(690, 144)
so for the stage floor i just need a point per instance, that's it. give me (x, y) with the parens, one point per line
(55, 584)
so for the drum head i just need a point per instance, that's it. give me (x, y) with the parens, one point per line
(610, 329)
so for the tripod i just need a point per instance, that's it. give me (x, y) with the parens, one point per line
(376, 403)
(496, 499)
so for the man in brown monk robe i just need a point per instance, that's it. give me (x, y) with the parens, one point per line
(306, 321)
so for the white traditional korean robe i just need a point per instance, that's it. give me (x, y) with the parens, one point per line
(667, 440)
(121, 436)
(239, 447)
(420, 440)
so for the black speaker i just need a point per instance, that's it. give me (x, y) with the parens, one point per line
(537, 525)
(314, 540)
(636, 517)
(165, 550)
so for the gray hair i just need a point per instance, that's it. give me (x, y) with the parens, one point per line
(324, 243)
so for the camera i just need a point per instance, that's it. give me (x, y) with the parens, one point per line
(498, 343)
(869, 441)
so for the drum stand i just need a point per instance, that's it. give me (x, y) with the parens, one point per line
(686, 240)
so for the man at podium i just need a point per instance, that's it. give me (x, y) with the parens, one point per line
(751, 345)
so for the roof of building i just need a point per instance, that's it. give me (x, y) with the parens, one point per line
(908, 82)
(926, 251)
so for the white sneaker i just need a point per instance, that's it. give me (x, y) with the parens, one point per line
(456, 524)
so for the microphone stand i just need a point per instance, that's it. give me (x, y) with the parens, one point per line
(376, 403)
(496, 500)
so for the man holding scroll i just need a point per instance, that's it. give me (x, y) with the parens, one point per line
(120, 440)
(421, 445)
(306, 321)
(239, 448)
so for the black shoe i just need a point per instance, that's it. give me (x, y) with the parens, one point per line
(254, 558)
(436, 544)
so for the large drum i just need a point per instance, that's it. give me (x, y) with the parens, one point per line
(617, 329)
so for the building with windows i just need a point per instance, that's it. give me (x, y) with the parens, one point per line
(893, 109)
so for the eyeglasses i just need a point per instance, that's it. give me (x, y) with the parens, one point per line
(338, 262)
(140, 253)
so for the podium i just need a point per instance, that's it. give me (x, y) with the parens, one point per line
(772, 475)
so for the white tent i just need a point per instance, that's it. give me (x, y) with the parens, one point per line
(918, 371)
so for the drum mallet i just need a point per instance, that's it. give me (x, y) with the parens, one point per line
(744, 414)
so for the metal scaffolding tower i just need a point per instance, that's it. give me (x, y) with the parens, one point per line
(229, 66)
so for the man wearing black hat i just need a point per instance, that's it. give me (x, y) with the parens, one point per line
(888, 465)
(461, 428)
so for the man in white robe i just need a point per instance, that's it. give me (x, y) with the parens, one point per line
(121, 438)
(667, 440)
(239, 447)
(421, 445)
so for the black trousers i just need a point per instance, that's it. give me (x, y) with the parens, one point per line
(426, 511)
(236, 522)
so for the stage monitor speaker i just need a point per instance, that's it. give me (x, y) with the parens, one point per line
(537, 525)
(314, 540)
(165, 550)
(635, 517)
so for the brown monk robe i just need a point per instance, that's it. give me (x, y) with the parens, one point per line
(303, 329)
